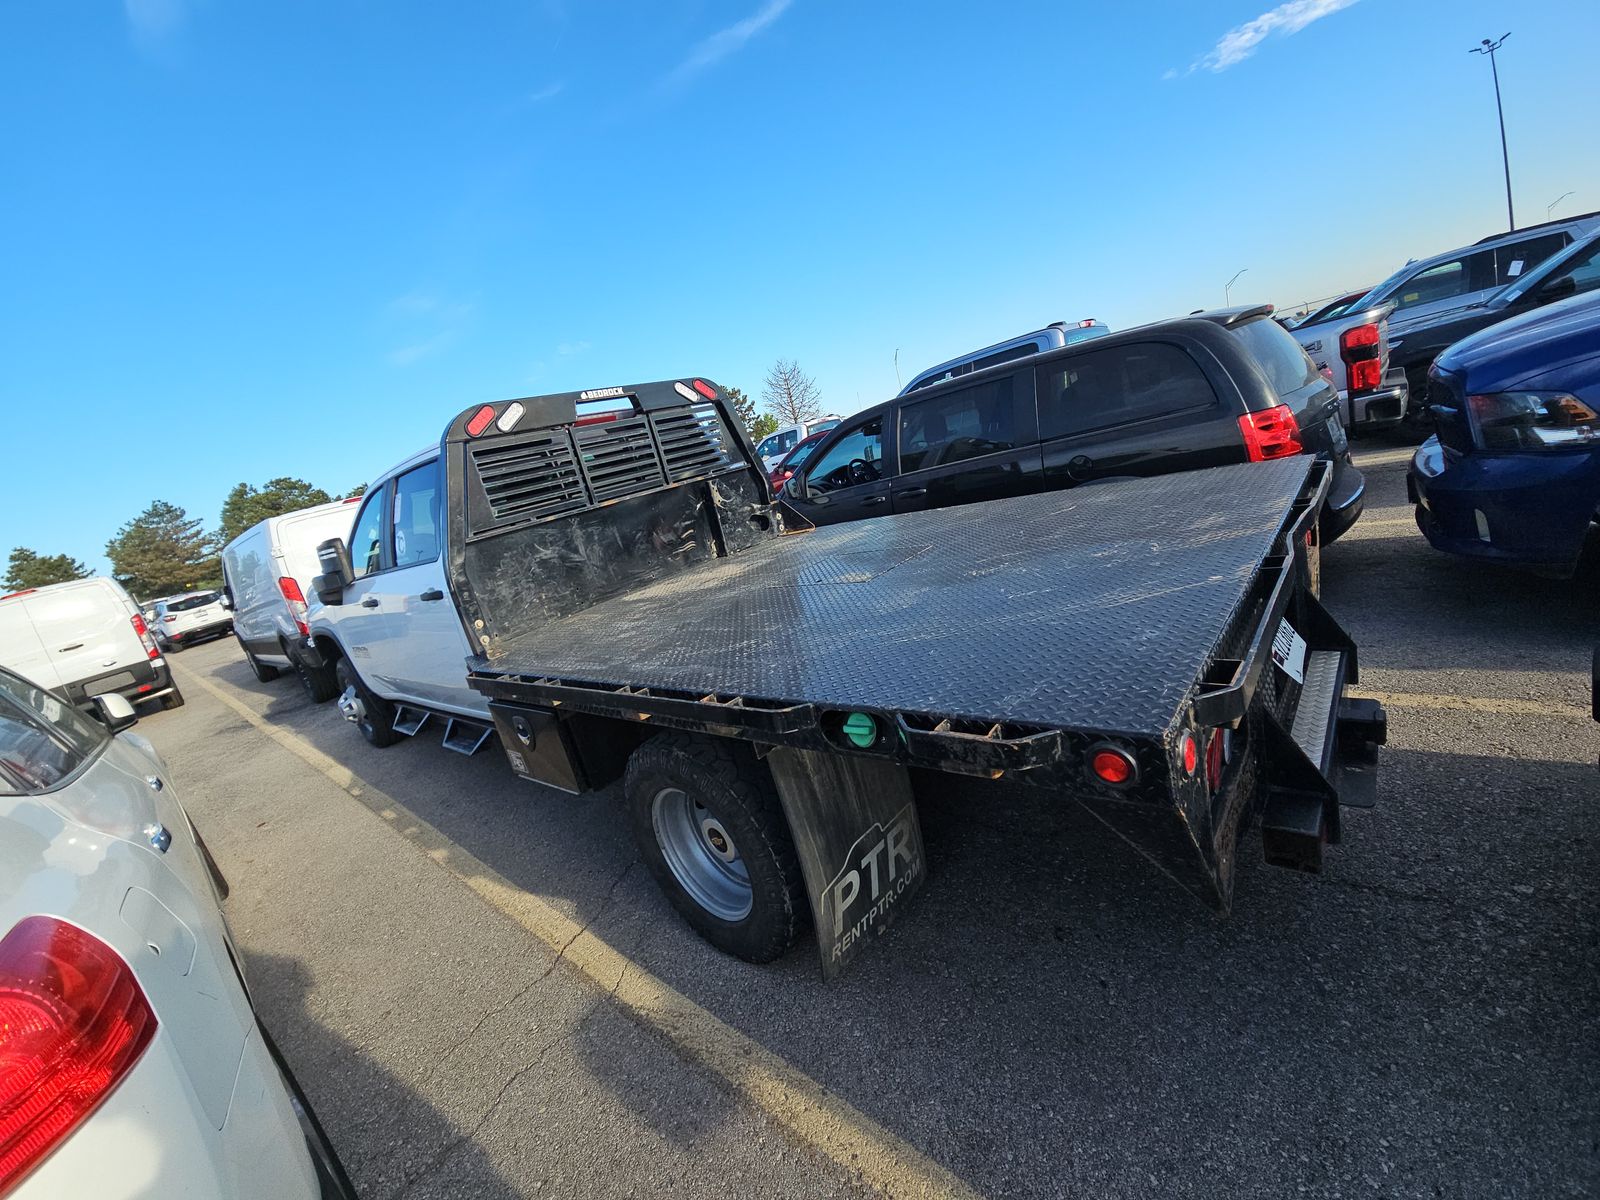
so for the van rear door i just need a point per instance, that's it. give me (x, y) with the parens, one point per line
(86, 630)
(20, 647)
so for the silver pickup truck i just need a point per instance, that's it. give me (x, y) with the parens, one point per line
(1353, 348)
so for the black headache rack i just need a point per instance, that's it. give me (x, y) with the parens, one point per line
(1022, 639)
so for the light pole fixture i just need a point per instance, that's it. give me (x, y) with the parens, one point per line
(1489, 48)
(1553, 203)
(1227, 288)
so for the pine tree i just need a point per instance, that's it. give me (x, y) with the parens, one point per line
(162, 551)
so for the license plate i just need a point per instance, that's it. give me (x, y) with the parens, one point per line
(1340, 441)
(1289, 651)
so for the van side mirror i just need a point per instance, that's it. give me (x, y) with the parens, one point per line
(114, 712)
(334, 559)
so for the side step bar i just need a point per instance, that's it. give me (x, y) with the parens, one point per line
(408, 720)
(465, 737)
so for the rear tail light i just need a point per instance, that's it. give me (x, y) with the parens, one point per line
(1271, 433)
(779, 478)
(480, 420)
(705, 389)
(73, 1022)
(1216, 759)
(142, 632)
(297, 603)
(1358, 347)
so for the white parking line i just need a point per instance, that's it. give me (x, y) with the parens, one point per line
(808, 1111)
(1382, 458)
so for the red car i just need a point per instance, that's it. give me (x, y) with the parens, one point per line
(796, 458)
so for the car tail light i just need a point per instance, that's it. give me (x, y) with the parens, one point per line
(142, 632)
(480, 420)
(73, 1022)
(297, 603)
(779, 478)
(705, 389)
(1271, 433)
(1216, 759)
(1359, 349)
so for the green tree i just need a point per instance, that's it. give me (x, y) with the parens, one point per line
(360, 489)
(246, 505)
(162, 551)
(765, 425)
(30, 570)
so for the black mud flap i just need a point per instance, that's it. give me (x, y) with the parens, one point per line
(860, 844)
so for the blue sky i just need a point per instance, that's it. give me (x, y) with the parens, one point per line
(251, 239)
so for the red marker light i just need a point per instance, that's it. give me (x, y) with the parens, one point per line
(1112, 766)
(705, 389)
(480, 420)
(1190, 752)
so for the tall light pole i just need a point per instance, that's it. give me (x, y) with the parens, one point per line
(1553, 203)
(1489, 48)
(1227, 288)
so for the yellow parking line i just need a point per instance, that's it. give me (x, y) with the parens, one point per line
(803, 1107)
(1382, 458)
(1483, 704)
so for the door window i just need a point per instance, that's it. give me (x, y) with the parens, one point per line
(416, 515)
(966, 423)
(42, 740)
(1289, 368)
(366, 538)
(1511, 261)
(857, 457)
(1470, 273)
(1103, 388)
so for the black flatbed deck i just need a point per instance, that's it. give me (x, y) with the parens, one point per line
(1094, 608)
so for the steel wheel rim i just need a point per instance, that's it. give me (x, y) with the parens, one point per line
(700, 853)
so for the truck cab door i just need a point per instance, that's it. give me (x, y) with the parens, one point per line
(847, 479)
(358, 620)
(428, 663)
(979, 442)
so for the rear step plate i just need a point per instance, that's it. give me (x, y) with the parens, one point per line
(408, 720)
(465, 737)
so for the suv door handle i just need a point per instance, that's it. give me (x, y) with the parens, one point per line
(370, 602)
(431, 594)
(74, 646)
(875, 500)
(912, 493)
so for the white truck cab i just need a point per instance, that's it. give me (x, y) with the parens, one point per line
(391, 632)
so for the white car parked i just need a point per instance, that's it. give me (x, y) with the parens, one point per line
(192, 617)
(775, 445)
(131, 1061)
(268, 571)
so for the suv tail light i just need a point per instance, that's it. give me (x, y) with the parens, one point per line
(73, 1022)
(142, 632)
(297, 603)
(1359, 349)
(1271, 433)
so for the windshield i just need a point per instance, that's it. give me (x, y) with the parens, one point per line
(1579, 261)
(42, 739)
(1388, 285)
(190, 602)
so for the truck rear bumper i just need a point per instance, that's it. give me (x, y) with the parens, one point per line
(1382, 408)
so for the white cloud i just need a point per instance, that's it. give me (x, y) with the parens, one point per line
(548, 92)
(570, 348)
(405, 356)
(1240, 42)
(153, 22)
(430, 323)
(727, 41)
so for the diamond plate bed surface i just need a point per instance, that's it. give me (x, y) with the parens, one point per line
(1091, 608)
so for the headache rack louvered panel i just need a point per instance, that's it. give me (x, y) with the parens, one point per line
(619, 458)
(537, 477)
(693, 442)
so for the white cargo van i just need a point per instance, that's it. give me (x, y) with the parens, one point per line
(84, 639)
(268, 571)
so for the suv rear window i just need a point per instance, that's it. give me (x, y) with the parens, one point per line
(192, 602)
(1288, 367)
(1135, 382)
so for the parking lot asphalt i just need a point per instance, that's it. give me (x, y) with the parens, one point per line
(484, 994)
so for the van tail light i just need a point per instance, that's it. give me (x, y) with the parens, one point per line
(297, 603)
(73, 1022)
(142, 632)
(1358, 348)
(1271, 433)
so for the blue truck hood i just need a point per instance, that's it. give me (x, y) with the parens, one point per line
(1529, 347)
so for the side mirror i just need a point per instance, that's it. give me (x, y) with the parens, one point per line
(334, 559)
(227, 603)
(1558, 289)
(114, 712)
